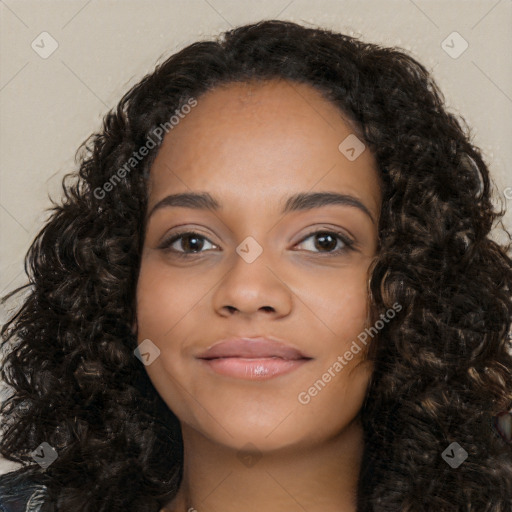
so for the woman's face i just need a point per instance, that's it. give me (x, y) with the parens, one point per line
(259, 265)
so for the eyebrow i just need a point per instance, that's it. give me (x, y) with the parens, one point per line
(295, 203)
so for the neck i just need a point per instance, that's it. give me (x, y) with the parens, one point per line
(315, 477)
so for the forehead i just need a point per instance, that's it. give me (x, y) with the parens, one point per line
(262, 141)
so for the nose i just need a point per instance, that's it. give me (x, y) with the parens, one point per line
(249, 287)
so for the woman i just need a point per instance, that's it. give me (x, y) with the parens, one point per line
(272, 287)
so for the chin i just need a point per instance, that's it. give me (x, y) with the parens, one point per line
(270, 430)
(249, 437)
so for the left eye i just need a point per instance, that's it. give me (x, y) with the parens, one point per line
(328, 240)
(192, 243)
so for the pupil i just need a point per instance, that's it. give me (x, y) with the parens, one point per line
(194, 240)
(322, 239)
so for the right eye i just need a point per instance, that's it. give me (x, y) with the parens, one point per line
(190, 241)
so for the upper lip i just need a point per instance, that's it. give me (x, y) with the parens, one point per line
(252, 348)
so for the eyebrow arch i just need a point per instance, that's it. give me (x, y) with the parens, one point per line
(311, 200)
(297, 202)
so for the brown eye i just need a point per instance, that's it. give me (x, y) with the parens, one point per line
(327, 241)
(191, 243)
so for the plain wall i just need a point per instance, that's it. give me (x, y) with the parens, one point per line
(50, 105)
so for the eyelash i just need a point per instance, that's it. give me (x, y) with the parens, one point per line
(166, 244)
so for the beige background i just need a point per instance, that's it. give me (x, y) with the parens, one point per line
(50, 105)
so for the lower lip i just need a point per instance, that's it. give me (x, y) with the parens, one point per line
(253, 369)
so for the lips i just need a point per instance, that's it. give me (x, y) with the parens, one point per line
(252, 348)
(252, 358)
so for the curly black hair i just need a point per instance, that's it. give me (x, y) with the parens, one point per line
(443, 367)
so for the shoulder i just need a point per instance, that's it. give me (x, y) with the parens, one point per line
(19, 493)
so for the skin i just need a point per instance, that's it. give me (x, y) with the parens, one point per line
(251, 146)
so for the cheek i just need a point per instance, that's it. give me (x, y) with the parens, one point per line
(167, 314)
(163, 298)
(342, 303)
(338, 384)
(163, 301)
